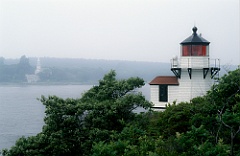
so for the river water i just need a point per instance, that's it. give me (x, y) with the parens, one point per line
(21, 114)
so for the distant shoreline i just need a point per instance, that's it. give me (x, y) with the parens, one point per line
(43, 83)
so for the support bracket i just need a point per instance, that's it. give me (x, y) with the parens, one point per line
(214, 71)
(190, 72)
(176, 72)
(205, 72)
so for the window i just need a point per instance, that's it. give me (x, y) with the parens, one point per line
(194, 50)
(205, 50)
(197, 50)
(163, 93)
(186, 50)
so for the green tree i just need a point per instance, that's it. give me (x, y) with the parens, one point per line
(72, 126)
(198, 141)
(113, 101)
(226, 97)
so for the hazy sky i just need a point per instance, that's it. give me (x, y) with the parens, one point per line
(137, 30)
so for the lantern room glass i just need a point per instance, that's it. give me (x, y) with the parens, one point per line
(195, 50)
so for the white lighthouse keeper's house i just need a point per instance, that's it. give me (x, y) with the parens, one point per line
(193, 72)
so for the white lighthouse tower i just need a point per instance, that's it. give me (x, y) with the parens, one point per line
(194, 73)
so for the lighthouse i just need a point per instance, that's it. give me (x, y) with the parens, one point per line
(194, 73)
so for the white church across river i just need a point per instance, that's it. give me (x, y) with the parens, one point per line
(194, 73)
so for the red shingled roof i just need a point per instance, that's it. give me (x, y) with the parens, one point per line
(170, 80)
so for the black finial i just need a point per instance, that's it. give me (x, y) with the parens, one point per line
(194, 29)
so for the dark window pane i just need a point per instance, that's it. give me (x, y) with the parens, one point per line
(163, 93)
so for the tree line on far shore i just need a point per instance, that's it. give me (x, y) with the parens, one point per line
(83, 71)
(15, 72)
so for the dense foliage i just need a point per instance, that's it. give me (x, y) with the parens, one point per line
(73, 126)
(102, 123)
